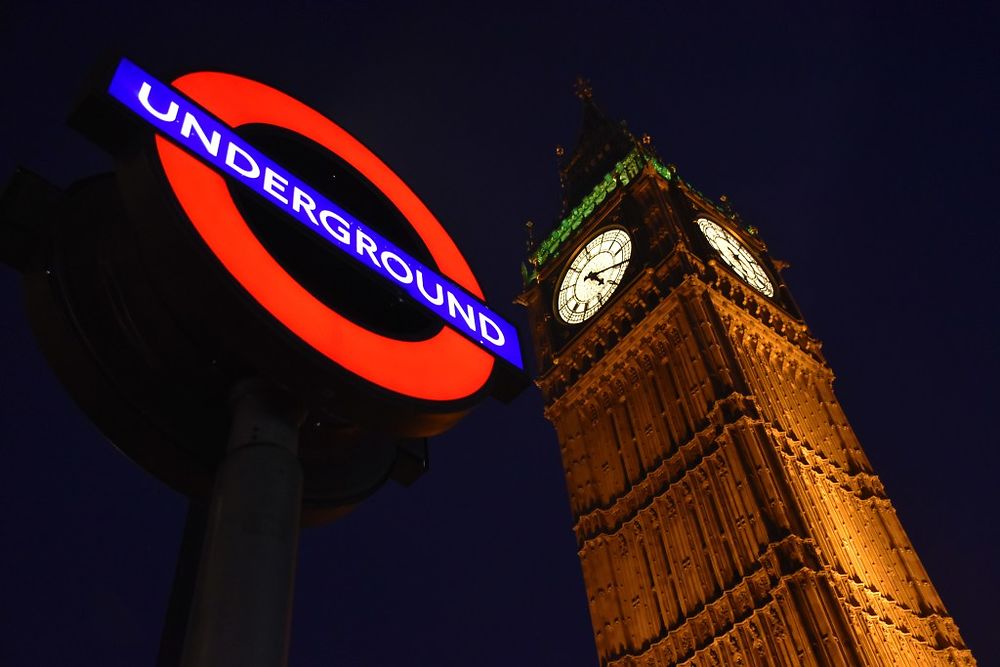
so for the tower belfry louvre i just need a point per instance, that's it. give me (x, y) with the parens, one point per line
(724, 510)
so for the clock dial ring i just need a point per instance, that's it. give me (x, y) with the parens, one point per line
(593, 275)
(736, 256)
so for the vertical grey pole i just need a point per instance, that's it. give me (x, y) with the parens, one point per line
(241, 613)
(182, 592)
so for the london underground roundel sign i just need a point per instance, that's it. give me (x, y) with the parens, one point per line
(199, 149)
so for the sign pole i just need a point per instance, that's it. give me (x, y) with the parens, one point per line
(241, 613)
(182, 592)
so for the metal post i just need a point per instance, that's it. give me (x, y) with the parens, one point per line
(182, 593)
(242, 606)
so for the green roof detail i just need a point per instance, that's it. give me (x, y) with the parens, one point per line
(623, 174)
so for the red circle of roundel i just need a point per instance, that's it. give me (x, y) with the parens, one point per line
(442, 368)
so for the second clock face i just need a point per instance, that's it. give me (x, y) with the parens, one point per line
(736, 256)
(593, 275)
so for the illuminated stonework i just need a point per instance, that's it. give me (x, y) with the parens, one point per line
(724, 510)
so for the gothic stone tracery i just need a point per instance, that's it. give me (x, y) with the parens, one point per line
(724, 510)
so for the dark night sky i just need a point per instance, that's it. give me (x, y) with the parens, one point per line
(861, 140)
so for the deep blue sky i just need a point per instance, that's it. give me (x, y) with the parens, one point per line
(860, 138)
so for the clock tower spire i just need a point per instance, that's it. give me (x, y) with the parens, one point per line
(725, 512)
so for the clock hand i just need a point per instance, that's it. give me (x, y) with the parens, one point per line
(594, 273)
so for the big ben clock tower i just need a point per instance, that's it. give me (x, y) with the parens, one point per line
(724, 510)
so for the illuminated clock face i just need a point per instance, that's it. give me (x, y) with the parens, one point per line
(593, 275)
(736, 256)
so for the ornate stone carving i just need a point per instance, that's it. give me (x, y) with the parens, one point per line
(746, 516)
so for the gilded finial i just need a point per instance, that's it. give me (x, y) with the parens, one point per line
(582, 89)
(726, 205)
(530, 227)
